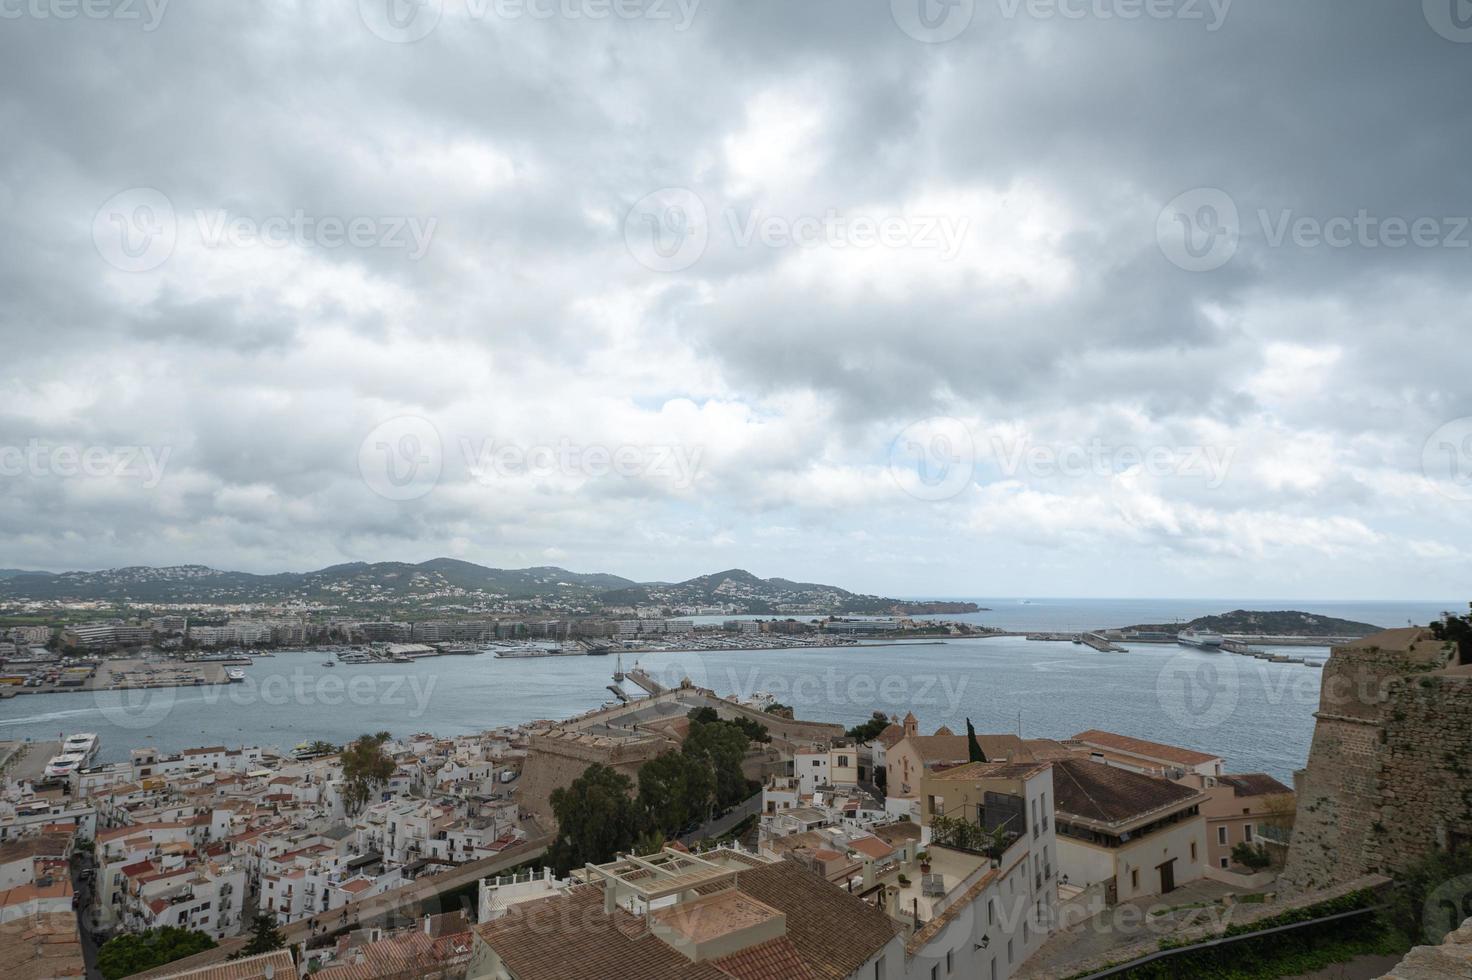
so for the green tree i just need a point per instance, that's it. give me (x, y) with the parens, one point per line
(597, 818)
(1458, 630)
(264, 936)
(869, 730)
(1432, 896)
(1253, 857)
(973, 747)
(132, 953)
(721, 746)
(675, 790)
(365, 767)
(703, 716)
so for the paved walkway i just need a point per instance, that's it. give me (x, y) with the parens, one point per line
(1360, 968)
(1128, 922)
(723, 825)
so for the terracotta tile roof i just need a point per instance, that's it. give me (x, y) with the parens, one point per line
(41, 947)
(1253, 784)
(1108, 794)
(570, 937)
(247, 968)
(41, 845)
(834, 932)
(412, 954)
(898, 832)
(891, 735)
(775, 960)
(872, 847)
(1142, 747)
(994, 770)
(1047, 748)
(956, 748)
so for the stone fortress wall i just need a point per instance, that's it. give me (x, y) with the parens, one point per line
(1389, 774)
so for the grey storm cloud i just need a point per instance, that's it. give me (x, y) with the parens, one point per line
(277, 310)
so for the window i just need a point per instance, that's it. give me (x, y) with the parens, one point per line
(991, 912)
(1009, 952)
(879, 969)
(1221, 835)
(1247, 831)
(950, 961)
(994, 968)
(1225, 862)
(1135, 878)
(1193, 850)
(935, 972)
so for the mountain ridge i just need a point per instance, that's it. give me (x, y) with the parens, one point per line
(442, 581)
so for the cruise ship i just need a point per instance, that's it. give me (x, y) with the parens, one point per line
(1201, 639)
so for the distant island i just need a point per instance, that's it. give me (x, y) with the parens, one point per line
(1245, 622)
(449, 586)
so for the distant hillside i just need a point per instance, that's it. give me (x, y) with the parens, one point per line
(13, 572)
(446, 583)
(1280, 623)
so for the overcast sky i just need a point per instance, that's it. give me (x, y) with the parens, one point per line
(1005, 297)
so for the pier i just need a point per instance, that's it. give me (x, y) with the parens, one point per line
(646, 682)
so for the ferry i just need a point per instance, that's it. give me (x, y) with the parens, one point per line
(760, 700)
(63, 765)
(1201, 639)
(85, 744)
(235, 675)
(329, 663)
